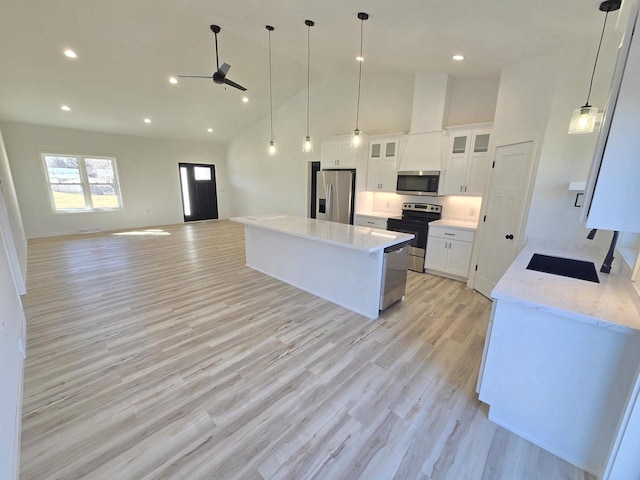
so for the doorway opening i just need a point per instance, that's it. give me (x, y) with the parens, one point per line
(314, 168)
(199, 195)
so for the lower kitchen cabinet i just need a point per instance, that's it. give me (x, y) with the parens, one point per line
(449, 252)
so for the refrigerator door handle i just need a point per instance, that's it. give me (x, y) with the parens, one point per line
(330, 202)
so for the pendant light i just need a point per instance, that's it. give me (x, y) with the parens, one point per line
(307, 143)
(356, 140)
(583, 119)
(272, 142)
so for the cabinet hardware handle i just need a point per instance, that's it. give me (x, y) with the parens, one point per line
(452, 234)
(460, 187)
(465, 188)
(509, 237)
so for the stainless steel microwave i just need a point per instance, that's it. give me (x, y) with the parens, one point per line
(418, 183)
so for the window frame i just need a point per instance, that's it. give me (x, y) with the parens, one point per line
(84, 183)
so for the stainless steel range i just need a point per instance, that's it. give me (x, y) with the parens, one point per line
(415, 219)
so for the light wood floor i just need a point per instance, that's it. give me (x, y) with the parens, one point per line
(163, 356)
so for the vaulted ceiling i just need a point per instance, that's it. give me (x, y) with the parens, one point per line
(128, 49)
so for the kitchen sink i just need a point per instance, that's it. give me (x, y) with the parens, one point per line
(565, 267)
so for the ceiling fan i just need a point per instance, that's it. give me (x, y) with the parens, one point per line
(220, 75)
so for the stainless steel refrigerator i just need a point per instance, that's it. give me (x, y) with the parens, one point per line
(335, 190)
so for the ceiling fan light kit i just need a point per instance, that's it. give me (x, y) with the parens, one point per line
(356, 140)
(583, 119)
(307, 143)
(272, 143)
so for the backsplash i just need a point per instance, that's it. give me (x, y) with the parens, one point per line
(454, 207)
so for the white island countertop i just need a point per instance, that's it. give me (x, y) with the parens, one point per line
(349, 236)
(613, 303)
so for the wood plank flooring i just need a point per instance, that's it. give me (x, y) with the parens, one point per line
(162, 356)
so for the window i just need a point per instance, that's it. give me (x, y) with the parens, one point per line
(79, 183)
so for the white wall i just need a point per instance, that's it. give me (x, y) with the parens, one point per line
(18, 240)
(147, 168)
(471, 100)
(262, 184)
(11, 365)
(565, 158)
(535, 99)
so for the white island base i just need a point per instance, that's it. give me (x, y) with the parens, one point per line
(340, 263)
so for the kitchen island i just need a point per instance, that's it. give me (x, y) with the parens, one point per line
(344, 264)
(561, 357)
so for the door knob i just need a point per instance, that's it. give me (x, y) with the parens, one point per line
(509, 237)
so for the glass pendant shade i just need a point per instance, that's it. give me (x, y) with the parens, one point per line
(583, 119)
(272, 148)
(356, 140)
(307, 145)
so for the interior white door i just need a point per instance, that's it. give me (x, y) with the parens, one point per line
(504, 212)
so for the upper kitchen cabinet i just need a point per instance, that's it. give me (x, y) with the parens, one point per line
(421, 151)
(337, 152)
(467, 163)
(382, 170)
(613, 189)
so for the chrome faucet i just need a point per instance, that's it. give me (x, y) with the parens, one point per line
(608, 260)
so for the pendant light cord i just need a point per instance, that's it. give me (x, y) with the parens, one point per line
(308, 74)
(359, 74)
(596, 62)
(270, 93)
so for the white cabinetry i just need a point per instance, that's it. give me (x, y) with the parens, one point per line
(467, 165)
(612, 193)
(371, 221)
(337, 152)
(449, 251)
(421, 151)
(382, 170)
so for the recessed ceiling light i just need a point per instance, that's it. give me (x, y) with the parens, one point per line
(173, 80)
(210, 130)
(245, 99)
(359, 58)
(70, 53)
(147, 120)
(66, 108)
(458, 58)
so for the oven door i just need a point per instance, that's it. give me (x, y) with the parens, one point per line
(418, 243)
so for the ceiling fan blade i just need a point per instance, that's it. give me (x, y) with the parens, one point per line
(234, 85)
(224, 69)
(194, 76)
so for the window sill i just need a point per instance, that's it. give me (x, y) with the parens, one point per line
(92, 210)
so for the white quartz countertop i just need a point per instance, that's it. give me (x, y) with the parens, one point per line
(613, 303)
(379, 215)
(453, 223)
(349, 236)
